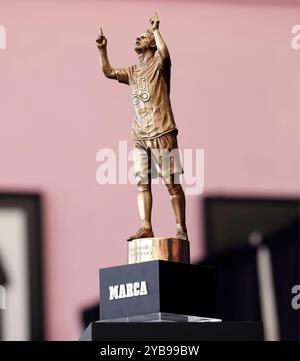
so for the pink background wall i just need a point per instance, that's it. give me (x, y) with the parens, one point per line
(235, 93)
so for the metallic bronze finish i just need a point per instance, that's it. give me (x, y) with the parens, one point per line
(154, 130)
(165, 249)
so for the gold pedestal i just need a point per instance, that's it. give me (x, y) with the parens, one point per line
(165, 249)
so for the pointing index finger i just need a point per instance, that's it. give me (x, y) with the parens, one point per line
(101, 32)
(156, 15)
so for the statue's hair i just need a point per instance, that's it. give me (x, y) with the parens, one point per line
(150, 33)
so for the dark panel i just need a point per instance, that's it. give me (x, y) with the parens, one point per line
(31, 204)
(178, 331)
(230, 220)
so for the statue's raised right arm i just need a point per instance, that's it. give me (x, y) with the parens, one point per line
(101, 42)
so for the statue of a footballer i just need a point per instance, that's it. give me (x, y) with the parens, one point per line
(154, 131)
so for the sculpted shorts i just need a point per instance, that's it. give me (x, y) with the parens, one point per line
(158, 156)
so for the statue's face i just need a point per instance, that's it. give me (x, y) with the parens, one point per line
(144, 42)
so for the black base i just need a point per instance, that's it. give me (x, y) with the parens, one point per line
(178, 331)
(171, 287)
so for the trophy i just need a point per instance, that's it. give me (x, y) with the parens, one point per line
(158, 295)
(158, 283)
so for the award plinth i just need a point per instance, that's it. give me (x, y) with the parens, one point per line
(157, 291)
(162, 300)
(158, 285)
(165, 249)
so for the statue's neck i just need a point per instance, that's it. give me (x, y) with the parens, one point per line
(145, 56)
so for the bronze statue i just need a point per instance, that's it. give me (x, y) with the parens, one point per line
(153, 127)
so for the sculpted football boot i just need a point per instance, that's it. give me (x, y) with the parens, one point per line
(141, 233)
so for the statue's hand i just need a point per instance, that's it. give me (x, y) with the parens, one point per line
(101, 40)
(154, 21)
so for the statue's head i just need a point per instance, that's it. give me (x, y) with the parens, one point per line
(145, 41)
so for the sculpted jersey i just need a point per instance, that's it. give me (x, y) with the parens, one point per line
(150, 85)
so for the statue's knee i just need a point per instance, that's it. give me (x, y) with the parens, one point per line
(144, 187)
(143, 182)
(174, 189)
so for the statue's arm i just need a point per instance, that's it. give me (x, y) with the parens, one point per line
(160, 44)
(101, 42)
(108, 71)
